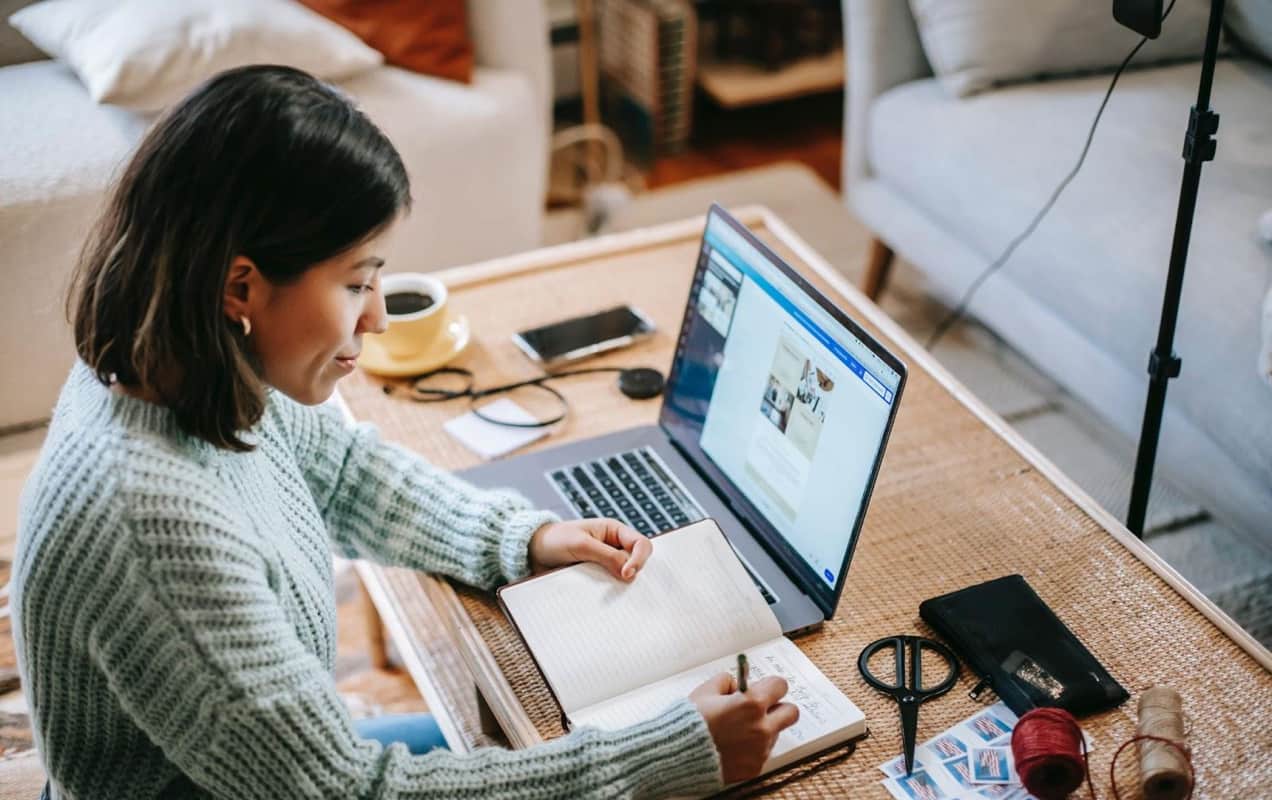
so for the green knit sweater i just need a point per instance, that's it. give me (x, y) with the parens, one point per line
(175, 614)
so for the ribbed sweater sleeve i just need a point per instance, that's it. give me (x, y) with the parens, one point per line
(200, 654)
(386, 504)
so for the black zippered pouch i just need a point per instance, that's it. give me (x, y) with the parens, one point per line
(1005, 633)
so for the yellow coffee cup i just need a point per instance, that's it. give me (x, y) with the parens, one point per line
(416, 306)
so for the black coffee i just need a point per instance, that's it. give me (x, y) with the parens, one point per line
(399, 303)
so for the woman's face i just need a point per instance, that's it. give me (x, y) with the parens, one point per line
(307, 334)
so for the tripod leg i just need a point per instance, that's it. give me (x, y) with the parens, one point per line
(1163, 364)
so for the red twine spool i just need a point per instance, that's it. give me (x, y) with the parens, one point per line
(1050, 753)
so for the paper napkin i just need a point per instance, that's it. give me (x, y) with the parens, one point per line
(489, 440)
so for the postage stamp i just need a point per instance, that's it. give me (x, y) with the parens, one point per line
(992, 765)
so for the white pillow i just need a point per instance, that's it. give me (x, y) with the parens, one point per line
(974, 44)
(147, 54)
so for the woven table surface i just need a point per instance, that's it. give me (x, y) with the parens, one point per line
(955, 504)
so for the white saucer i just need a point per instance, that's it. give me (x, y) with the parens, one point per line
(376, 360)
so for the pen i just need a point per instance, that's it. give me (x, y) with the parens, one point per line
(741, 672)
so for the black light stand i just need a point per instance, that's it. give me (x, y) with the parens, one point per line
(1163, 364)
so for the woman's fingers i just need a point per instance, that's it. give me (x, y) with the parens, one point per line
(782, 716)
(635, 547)
(592, 549)
(719, 683)
(768, 691)
(608, 542)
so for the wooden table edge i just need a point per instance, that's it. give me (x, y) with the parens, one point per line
(483, 669)
(374, 579)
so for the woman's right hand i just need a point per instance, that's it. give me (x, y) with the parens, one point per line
(744, 725)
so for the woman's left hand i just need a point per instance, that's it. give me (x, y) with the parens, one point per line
(608, 542)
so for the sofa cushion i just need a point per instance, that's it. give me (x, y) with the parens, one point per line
(1250, 22)
(475, 154)
(58, 144)
(457, 141)
(60, 150)
(147, 54)
(982, 167)
(975, 44)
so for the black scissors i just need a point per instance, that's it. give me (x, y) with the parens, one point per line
(909, 693)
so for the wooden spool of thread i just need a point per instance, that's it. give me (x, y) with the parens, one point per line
(1165, 763)
(1050, 753)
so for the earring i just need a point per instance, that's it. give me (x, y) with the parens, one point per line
(247, 325)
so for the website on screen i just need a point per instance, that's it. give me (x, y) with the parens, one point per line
(797, 410)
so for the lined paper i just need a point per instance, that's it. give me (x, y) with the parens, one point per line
(596, 637)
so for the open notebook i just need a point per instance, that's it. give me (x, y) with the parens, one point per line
(614, 654)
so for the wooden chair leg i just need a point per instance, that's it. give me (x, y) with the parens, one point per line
(377, 649)
(878, 265)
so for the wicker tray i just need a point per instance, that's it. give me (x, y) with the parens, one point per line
(960, 499)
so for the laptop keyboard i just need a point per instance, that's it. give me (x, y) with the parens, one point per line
(637, 488)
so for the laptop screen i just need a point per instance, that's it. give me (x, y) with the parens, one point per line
(778, 393)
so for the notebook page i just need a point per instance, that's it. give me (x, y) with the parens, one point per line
(596, 637)
(826, 715)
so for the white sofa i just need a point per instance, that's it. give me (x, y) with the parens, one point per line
(947, 182)
(476, 154)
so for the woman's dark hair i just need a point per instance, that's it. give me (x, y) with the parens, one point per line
(264, 162)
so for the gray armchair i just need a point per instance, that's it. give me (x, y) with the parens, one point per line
(947, 182)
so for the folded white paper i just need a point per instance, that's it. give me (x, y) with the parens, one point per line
(489, 440)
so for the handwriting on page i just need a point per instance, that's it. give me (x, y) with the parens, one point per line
(823, 709)
(816, 714)
(596, 637)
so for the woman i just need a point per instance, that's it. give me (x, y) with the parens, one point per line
(173, 596)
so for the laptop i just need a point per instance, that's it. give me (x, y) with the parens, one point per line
(774, 420)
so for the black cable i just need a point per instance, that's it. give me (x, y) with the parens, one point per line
(538, 383)
(961, 309)
(421, 392)
(479, 393)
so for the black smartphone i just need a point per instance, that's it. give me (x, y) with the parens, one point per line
(572, 339)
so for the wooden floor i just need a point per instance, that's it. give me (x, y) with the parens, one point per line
(367, 690)
(808, 130)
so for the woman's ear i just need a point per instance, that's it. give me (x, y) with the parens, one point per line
(244, 287)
